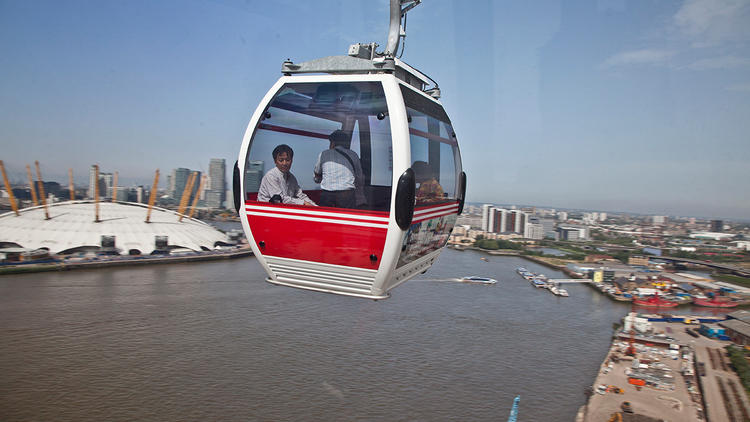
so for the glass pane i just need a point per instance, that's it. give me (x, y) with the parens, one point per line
(434, 150)
(339, 135)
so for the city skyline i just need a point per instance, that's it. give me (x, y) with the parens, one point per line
(580, 105)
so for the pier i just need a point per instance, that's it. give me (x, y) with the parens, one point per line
(570, 280)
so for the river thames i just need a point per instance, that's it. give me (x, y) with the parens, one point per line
(213, 341)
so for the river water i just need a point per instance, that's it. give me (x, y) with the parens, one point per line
(213, 341)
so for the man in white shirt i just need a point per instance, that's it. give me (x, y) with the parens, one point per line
(339, 173)
(279, 184)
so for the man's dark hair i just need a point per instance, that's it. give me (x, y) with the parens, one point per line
(282, 148)
(339, 138)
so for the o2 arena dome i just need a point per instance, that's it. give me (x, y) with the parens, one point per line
(122, 228)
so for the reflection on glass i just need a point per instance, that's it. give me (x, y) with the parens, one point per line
(341, 141)
(434, 150)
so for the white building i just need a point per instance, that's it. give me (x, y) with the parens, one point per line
(486, 217)
(711, 235)
(568, 232)
(534, 231)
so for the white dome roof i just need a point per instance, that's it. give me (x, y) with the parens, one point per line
(71, 225)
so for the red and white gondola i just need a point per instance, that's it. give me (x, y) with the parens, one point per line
(413, 184)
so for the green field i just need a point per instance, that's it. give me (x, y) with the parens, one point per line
(741, 281)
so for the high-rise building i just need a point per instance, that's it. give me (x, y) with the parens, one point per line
(253, 175)
(92, 181)
(500, 220)
(108, 179)
(496, 220)
(717, 226)
(105, 184)
(217, 185)
(178, 181)
(521, 221)
(486, 217)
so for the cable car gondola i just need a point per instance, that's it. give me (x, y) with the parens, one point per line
(351, 176)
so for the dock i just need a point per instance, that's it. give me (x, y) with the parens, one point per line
(571, 280)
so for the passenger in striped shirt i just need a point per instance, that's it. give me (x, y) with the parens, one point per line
(339, 173)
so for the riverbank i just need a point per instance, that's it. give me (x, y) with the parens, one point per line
(549, 262)
(682, 378)
(100, 262)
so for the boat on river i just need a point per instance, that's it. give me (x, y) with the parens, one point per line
(478, 280)
(716, 302)
(655, 302)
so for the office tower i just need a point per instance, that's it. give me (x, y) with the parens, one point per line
(178, 181)
(717, 226)
(92, 181)
(217, 185)
(659, 220)
(105, 184)
(253, 175)
(108, 180)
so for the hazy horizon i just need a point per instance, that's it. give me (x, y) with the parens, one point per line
(609, 105)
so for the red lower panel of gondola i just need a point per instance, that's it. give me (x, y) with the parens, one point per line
(327, 235)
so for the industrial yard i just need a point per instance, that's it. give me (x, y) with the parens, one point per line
(665, 373)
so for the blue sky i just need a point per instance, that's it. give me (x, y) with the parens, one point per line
(612, 105)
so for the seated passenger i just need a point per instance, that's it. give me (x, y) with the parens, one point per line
(339, 173)
(428, 188)
(279, 184)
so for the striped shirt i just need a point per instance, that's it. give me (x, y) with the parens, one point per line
(334, 172)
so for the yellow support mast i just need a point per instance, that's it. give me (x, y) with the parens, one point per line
(114, 189)
(96, 193)
(42, 195)
(186, 193)
(152, 196)
(197, 195)
(31, 186)
(10, 191)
